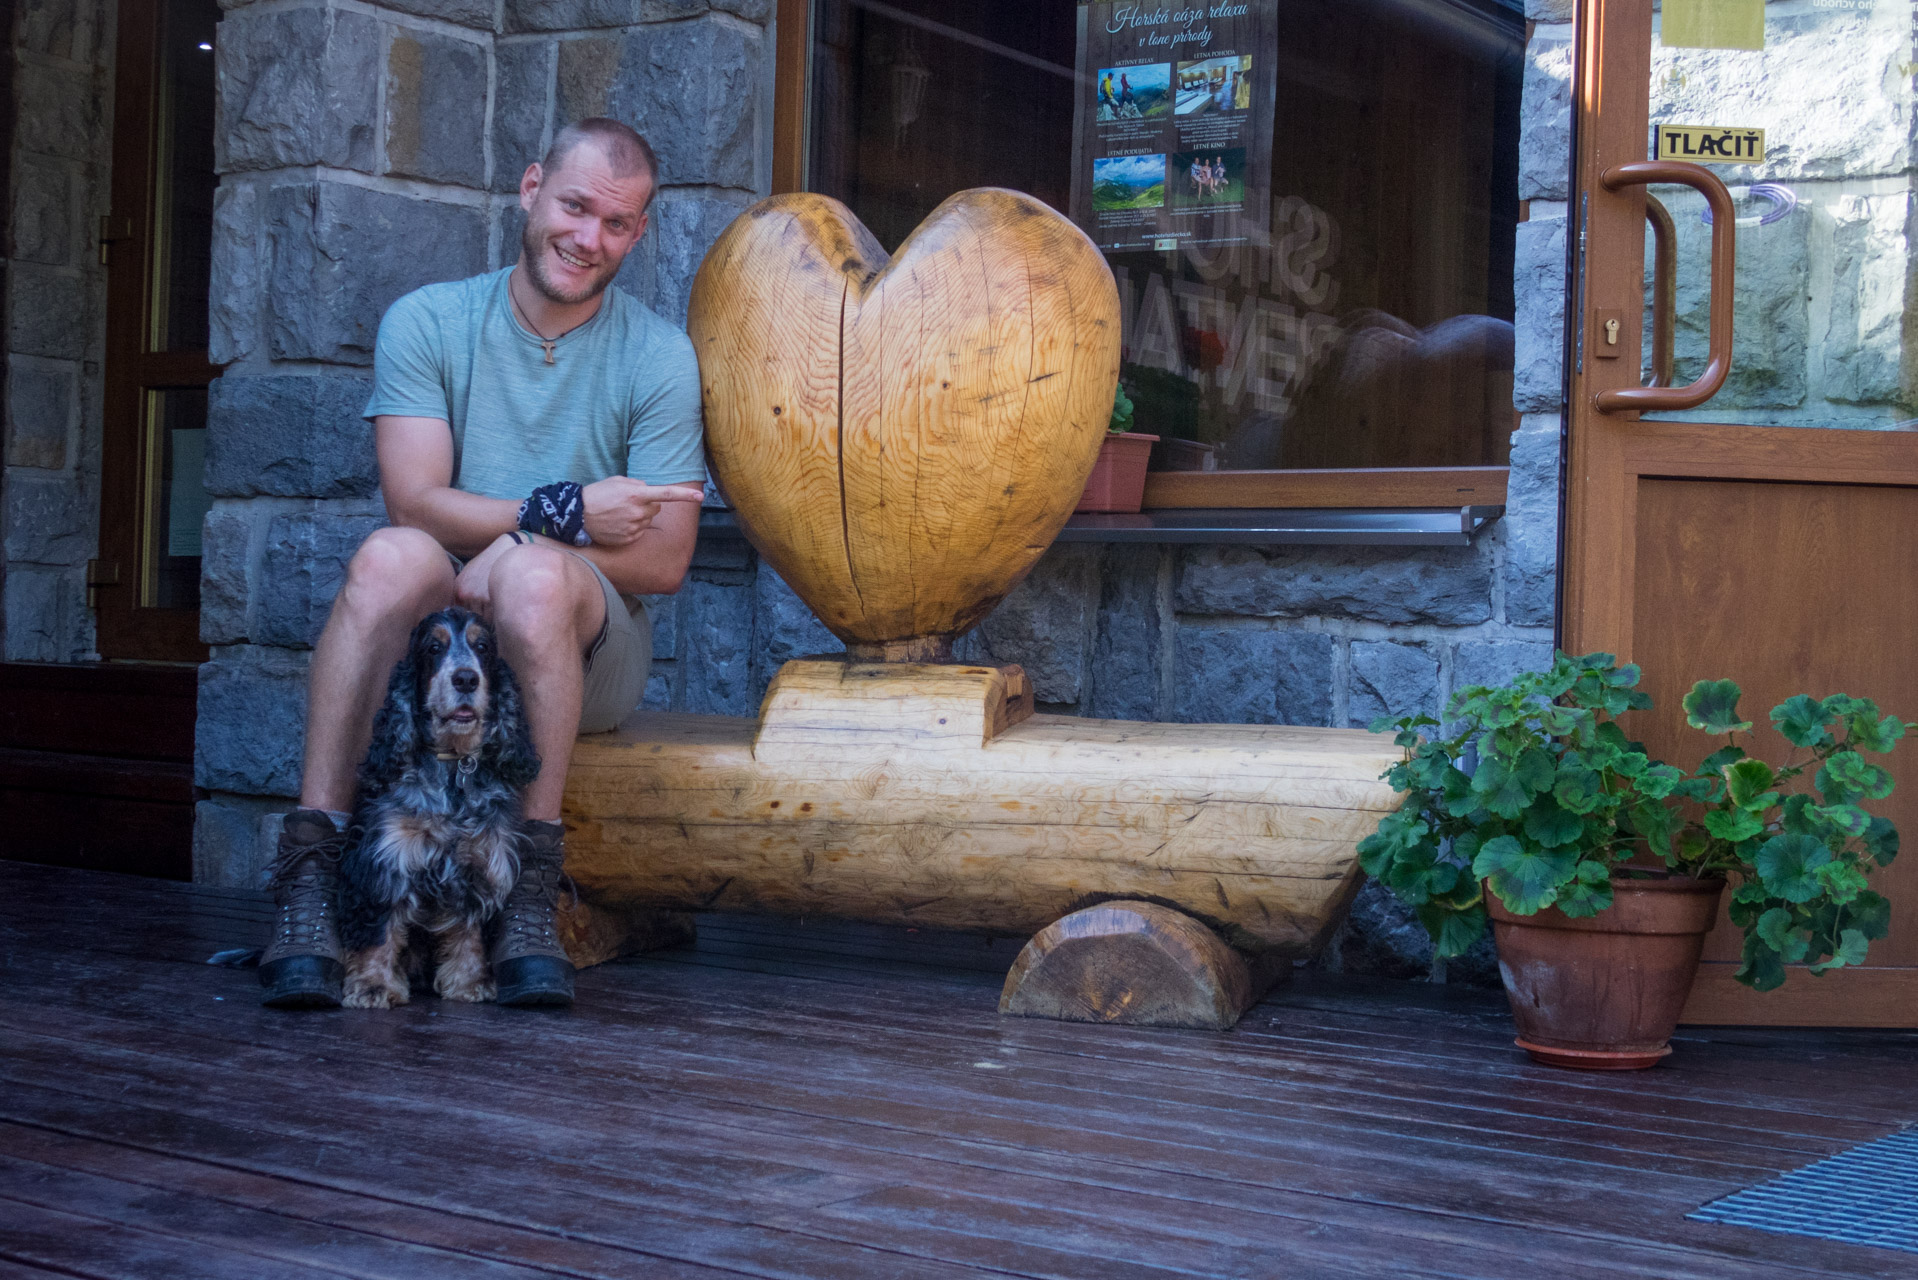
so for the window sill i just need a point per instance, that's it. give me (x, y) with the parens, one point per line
(1311, 526)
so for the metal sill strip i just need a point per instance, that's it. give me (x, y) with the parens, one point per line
(1305, 526)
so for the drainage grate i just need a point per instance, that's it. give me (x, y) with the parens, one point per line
(1867, 1195)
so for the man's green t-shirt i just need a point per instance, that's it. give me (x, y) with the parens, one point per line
(620, 398)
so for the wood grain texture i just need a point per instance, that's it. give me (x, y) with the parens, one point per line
(1132, 962)
(594, 934)
(850, 799)
(1345, 487)
(902, 438)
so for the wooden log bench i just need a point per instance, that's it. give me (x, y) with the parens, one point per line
(1167, 873)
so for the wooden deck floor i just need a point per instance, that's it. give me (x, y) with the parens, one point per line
(773, 1102)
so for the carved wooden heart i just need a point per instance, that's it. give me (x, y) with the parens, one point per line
(902, 439)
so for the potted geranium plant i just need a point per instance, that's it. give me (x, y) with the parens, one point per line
(1117, 482)
(1537, 813)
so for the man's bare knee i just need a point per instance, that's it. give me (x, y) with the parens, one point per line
(394, 569)
(538, 594)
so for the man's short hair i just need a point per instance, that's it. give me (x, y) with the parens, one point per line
(629, 154)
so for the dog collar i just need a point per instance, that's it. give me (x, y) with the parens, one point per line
(467, 763)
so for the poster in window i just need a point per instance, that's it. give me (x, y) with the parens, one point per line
(1172, 137)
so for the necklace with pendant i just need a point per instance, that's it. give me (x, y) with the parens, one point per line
(544, 341)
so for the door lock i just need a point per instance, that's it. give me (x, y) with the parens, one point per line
(1609, 322)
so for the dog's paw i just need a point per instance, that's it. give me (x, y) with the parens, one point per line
(472, 992)
(373, 995)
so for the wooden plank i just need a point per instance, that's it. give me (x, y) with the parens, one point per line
(375, 1235)
(70, 1244)
(1353, 487)
(1218, 1159)
(1237, 1140)
(65, 773)
(139, 711)
(888, 808)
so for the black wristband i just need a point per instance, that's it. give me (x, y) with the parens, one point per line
(557, 510)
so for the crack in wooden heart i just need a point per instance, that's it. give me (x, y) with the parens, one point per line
(902, 439)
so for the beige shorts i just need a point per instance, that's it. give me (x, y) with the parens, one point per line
(617, 662)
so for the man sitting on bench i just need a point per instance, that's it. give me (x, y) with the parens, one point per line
(493, 398)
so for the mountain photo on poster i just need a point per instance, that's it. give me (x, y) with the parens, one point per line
(1143, 92)
(1214, 85)
(1212, 177)
(1128, 182)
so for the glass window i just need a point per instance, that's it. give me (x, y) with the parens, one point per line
(1309, 205)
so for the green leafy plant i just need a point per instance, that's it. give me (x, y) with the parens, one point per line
(1530, 797)
(1121, 411)
(1798, 856)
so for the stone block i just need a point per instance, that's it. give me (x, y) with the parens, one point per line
(684, 227)
(583, 82)
(693, 88)
(51, 312)
(227, 572)
(1545, 122)
(1821, 88)
(297, 87)
(306, 555)
(1252, 675)
(1529, 530)
(436, 108)
(783, 628)
(36, 615)
(1770, 307)
(68, 115)
(230, 847)
(238, 286)
(1045, 623)
(664, 612)
(250, 731)
(1126, 638)
(509, 222)
(716, 644)
(1393, 679)
(50, 520)
(758, 11)
(42, 408)
(340, 255)
(571, 15)
(1444, 585)
(522, 79)
(1543, 11)
(1865, 339)
(1538, 272)
(477, 14)
(639, 274)
(722, 553)
(290, 436)
(48, 211)
(1493, 662)
(73, 30)
(659, 692)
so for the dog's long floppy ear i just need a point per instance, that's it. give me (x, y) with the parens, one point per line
(397, 732)
(508, 738)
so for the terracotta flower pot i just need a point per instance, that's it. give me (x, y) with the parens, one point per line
(1117, 482)
(1604, 993)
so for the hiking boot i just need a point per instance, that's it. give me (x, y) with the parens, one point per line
(529, 964)
(301, 967)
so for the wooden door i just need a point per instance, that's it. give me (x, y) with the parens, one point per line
(1714, 531)
(157, 244)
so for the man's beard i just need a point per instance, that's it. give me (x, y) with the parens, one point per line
(533, 241)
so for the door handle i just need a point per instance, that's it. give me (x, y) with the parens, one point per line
(1664, 288)
(1718, 347)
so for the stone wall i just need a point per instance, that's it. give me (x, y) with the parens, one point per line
(366, 150)
(55, 299)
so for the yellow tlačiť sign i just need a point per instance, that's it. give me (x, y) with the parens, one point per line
(1710, 144)
(1713, 24)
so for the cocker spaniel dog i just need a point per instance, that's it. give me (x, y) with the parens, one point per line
(434, 846)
